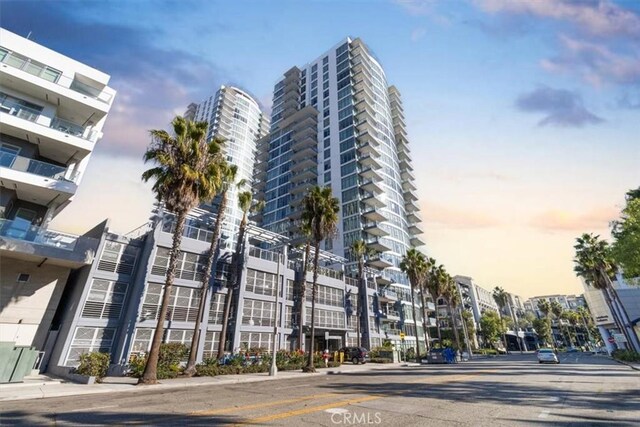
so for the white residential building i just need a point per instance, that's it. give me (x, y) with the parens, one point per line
(236, 117)
(52, 110)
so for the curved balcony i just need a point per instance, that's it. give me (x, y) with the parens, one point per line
(416, 241)
(373, 215)
(373, 201)
(371, 186)
(380, 261)
(369, 162)
(370, 174)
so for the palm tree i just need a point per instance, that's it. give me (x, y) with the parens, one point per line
(359, 250)
(305, 230)
(558, 311)
(247, 205)
(437, 278)
(226, 174)
(501, 298)
(594, 264)
(450, 294)
(545, 308)
(414, 265)
(185, 172)
(320, 214)
(424, 289)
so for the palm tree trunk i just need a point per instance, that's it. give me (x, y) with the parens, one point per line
(425, 316)
(302, 296)
(435, 299)
(204, 288)
(150, 375)
(234, 283)
(359, 299)
(415, 323)
(455, 328)
(314, 287)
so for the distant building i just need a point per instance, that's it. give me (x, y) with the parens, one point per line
(568, 302)
(236, 117)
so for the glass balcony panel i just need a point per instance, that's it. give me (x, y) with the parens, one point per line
(36, 167)
(20, 229)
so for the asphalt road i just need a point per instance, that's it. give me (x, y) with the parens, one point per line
(507, 390)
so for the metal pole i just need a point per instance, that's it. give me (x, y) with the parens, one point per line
(273, 370)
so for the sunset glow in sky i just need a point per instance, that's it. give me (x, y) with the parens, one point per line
(523, 117)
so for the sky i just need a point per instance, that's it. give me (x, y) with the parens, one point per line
(523, 117)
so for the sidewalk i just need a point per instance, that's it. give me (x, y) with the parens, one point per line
(51, 387)
(633, 365)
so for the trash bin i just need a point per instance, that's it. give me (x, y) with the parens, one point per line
(436, 356)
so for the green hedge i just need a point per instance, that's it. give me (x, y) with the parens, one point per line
(626, 355)
(171, 355)
(94, 364)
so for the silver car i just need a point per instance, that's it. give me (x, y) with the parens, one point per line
(546, 355)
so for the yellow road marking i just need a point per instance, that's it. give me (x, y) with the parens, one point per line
(261, 405)
(303, 411)
(309, 410)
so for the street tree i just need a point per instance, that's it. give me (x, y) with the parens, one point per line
(359, 250)
(414, 265)
(227, 175)
(491, 326)
(320, 214)
(185, 172)
(626, 234)
(247, 205)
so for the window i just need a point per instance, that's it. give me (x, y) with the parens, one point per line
(216, 310)
(261, 283)
(257, 313)
(327, 177)
(87, 340)
(327, 318)
(118, 258)
(256, 340)
(190, 265)
(211, 343)
(183, 303)
(105, 299)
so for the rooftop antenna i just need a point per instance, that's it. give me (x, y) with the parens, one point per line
(28, 35)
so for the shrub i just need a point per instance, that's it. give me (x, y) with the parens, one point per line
(94, 364)
(380, 360)
(626, 355)
(171, 354)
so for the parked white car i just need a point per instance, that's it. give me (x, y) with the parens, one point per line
(547, 355)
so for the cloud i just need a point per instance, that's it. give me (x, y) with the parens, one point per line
(418, 7)
(561, 107)
(446, 217)
(154, 83)
(630, 100)
(597, 63)
(559, 220)
(595, 17)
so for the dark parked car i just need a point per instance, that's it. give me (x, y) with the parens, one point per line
(355, 354)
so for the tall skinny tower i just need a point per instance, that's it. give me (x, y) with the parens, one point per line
(236, 117)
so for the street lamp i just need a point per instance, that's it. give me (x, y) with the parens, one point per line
(273, 370)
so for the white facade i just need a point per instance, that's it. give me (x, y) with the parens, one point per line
(568, 302)
(236, 117)
(52, 110)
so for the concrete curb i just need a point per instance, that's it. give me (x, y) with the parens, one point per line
(632, 366)
(71, 389)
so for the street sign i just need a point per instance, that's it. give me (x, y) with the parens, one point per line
(402, 336)
(611, 340)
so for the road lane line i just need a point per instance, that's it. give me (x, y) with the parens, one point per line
(544, 414)
(261, 405)
(304, 411)
(91, 408)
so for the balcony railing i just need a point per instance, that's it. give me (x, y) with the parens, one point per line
(15, 108)
(335, 274)
(36, 167)
(19, 229)
(190, 231)
(387, 293)
(263, 254)
(392, 313)
(51, 75)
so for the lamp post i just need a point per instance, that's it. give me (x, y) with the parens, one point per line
(464, 322)
(273, 370)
